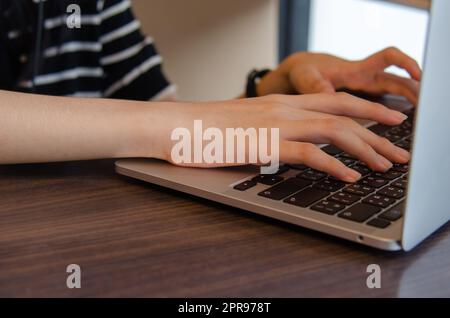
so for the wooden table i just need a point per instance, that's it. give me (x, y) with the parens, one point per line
(136, 239)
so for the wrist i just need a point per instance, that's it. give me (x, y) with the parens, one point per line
(253, 79)
(275, 82)
(147, 131)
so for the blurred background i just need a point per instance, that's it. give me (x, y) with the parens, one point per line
(209, 46)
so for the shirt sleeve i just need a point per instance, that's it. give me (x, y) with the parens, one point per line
(131, 63)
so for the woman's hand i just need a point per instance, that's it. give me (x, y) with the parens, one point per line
(303, 121)
(35, 128)
(308, 73)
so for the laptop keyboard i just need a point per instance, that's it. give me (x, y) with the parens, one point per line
(375, 200)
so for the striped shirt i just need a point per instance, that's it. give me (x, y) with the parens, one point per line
(108, 56)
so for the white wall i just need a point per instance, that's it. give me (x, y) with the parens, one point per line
(355, 29)
(209, 46)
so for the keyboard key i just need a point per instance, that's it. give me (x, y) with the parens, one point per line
(406, 125)
(379, 129)
(307, 197)
(392, 137)
(379, 201)
(392, 192)
(312, 175)
(361, 163)
(403, 168)
(407, 129)
(402, 183)
(401, 131)
(328, 207)
(373, 182)
(394, 214)
(344, 198)
(348, 156)
(381, 224)
(299, 167)
(268, 179)
(363, 170)
(360, 212)
(332, 150)
(244, 186)
(285, 188)
(404, 145)
(346, 161)
(390, 175)
(330, 185)
(411, 113)
(359, 189)
(282, 169)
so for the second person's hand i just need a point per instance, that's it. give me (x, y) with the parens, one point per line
(307, 73)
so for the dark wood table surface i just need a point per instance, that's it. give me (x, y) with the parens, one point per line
(135, 239)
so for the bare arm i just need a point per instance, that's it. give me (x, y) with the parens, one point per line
(37, 128)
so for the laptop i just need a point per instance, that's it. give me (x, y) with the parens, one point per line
(391, 211)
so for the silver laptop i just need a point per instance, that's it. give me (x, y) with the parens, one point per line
(390, 211)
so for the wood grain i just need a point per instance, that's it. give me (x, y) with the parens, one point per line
(139, 240)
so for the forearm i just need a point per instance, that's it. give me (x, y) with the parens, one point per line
(36, 128)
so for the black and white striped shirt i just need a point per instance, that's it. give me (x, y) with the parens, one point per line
(107, 57)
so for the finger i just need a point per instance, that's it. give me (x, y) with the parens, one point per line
(308, 80)
(382, 145)
(394, 57)
(339, 132)
(393, 84)
(310, 155)
(343, 104)
(344, 136)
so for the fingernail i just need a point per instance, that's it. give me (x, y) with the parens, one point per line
(384, 163)
(352, 176)
(404, 155)
(399, 116)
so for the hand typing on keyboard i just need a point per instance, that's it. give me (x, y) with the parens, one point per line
(306, 120)
(375, 199)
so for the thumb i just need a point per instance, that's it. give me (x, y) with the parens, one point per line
(309, 80)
